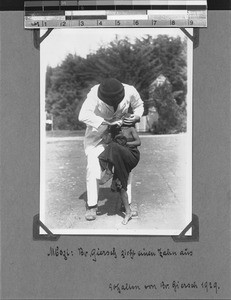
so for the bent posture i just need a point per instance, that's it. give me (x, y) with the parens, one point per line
(106, 103)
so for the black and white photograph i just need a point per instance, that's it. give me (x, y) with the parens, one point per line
(115, 149)
(116, 131)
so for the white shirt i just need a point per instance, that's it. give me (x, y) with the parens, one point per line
(94, 111)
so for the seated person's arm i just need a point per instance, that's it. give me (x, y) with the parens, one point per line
(136, 141)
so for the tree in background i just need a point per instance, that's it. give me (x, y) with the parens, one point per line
(64, 91)
(138, 63)
(172, 117)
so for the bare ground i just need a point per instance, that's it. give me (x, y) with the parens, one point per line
(159, 190)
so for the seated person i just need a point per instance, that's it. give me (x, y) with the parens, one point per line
(120, 156)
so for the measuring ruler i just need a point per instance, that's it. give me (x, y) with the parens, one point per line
(115, 13)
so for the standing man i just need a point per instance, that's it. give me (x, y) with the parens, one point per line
(105, 105)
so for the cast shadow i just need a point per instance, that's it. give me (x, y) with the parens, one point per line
(109, 202)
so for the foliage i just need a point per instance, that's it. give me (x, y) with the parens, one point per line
(138, 63)
(172, 117)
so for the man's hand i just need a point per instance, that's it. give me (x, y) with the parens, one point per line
(118, 122)
(111, 123)
(131, 120)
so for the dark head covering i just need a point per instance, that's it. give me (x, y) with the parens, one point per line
(111, 91)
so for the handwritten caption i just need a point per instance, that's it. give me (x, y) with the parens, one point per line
(95, 253)
(175, 286)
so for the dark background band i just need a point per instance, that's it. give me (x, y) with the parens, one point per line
(16, 5)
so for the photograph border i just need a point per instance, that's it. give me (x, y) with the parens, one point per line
(191, 231)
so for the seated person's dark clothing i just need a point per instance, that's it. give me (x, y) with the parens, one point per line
(119, 155)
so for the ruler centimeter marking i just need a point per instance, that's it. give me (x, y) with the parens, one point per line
(59, 17)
